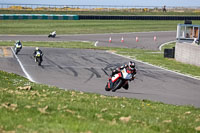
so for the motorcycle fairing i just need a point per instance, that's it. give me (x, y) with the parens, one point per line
(18, 46)
(38, 54)
(126, 74)
(116, 76)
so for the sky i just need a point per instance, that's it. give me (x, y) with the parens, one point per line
(176, 3)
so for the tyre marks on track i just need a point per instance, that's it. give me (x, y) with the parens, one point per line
(94, 72)
(84, 67)
(60, 69)
(84, 58)
(101, 60)
(63, 69)
(72, 70)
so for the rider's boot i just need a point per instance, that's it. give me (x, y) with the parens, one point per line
(126, 86)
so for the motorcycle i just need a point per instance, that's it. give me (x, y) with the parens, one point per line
(119, 80)
(38, 58)
(17, 48)
(53, 34)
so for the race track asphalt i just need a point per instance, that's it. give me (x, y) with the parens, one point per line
(145, 39)
(88, 70)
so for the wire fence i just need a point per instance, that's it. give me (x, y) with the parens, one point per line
(108, 8)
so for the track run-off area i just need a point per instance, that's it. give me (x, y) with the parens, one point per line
(87, 70)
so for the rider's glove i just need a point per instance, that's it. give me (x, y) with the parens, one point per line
(114, 72)
(122, 67)
(133, 77)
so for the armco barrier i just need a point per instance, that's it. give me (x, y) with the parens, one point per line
(38, 16)
(139, 17)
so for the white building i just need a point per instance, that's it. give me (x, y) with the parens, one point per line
(187, 32)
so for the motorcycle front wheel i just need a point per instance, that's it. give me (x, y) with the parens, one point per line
(117, 85)
(16, 51)
(106, 88)
(39, 61)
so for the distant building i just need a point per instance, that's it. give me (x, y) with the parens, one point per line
(187, 32)
(187, 48)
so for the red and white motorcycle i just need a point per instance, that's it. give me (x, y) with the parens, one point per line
(119, 80)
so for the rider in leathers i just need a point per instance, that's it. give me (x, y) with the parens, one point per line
(37, 50)
(53, 34)
(18, 43)
(130, 68)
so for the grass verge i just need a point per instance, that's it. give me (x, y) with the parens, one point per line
(49, 109)
(73, 44)
(39, 27)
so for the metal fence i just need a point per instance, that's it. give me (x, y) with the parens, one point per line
(5, 6)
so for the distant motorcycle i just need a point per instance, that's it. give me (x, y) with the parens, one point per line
(17, 48)
(119, 80)
(53, 34)
(38, 58)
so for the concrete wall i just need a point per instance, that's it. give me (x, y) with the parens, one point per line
(188, 53)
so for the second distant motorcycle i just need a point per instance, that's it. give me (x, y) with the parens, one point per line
(53, 34)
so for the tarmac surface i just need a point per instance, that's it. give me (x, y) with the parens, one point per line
(145, 39)
(88, 70)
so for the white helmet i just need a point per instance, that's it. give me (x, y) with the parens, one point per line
(36, 48)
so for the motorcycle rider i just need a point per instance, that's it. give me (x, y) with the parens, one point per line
(53, 34)
(130, 68)
(36, 51)
(18, 43)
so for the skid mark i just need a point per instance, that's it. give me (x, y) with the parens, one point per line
(91, 76)
(58, 66)
(86, 59)
(94, 71)
(105, 72)
(64, 69)
(72, 70)
(101, 60)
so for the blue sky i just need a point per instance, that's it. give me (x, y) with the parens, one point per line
(110, 2)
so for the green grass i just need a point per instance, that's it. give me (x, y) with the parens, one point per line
(186, 13)
(82, 45)
(85, 26)
(49, 109)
